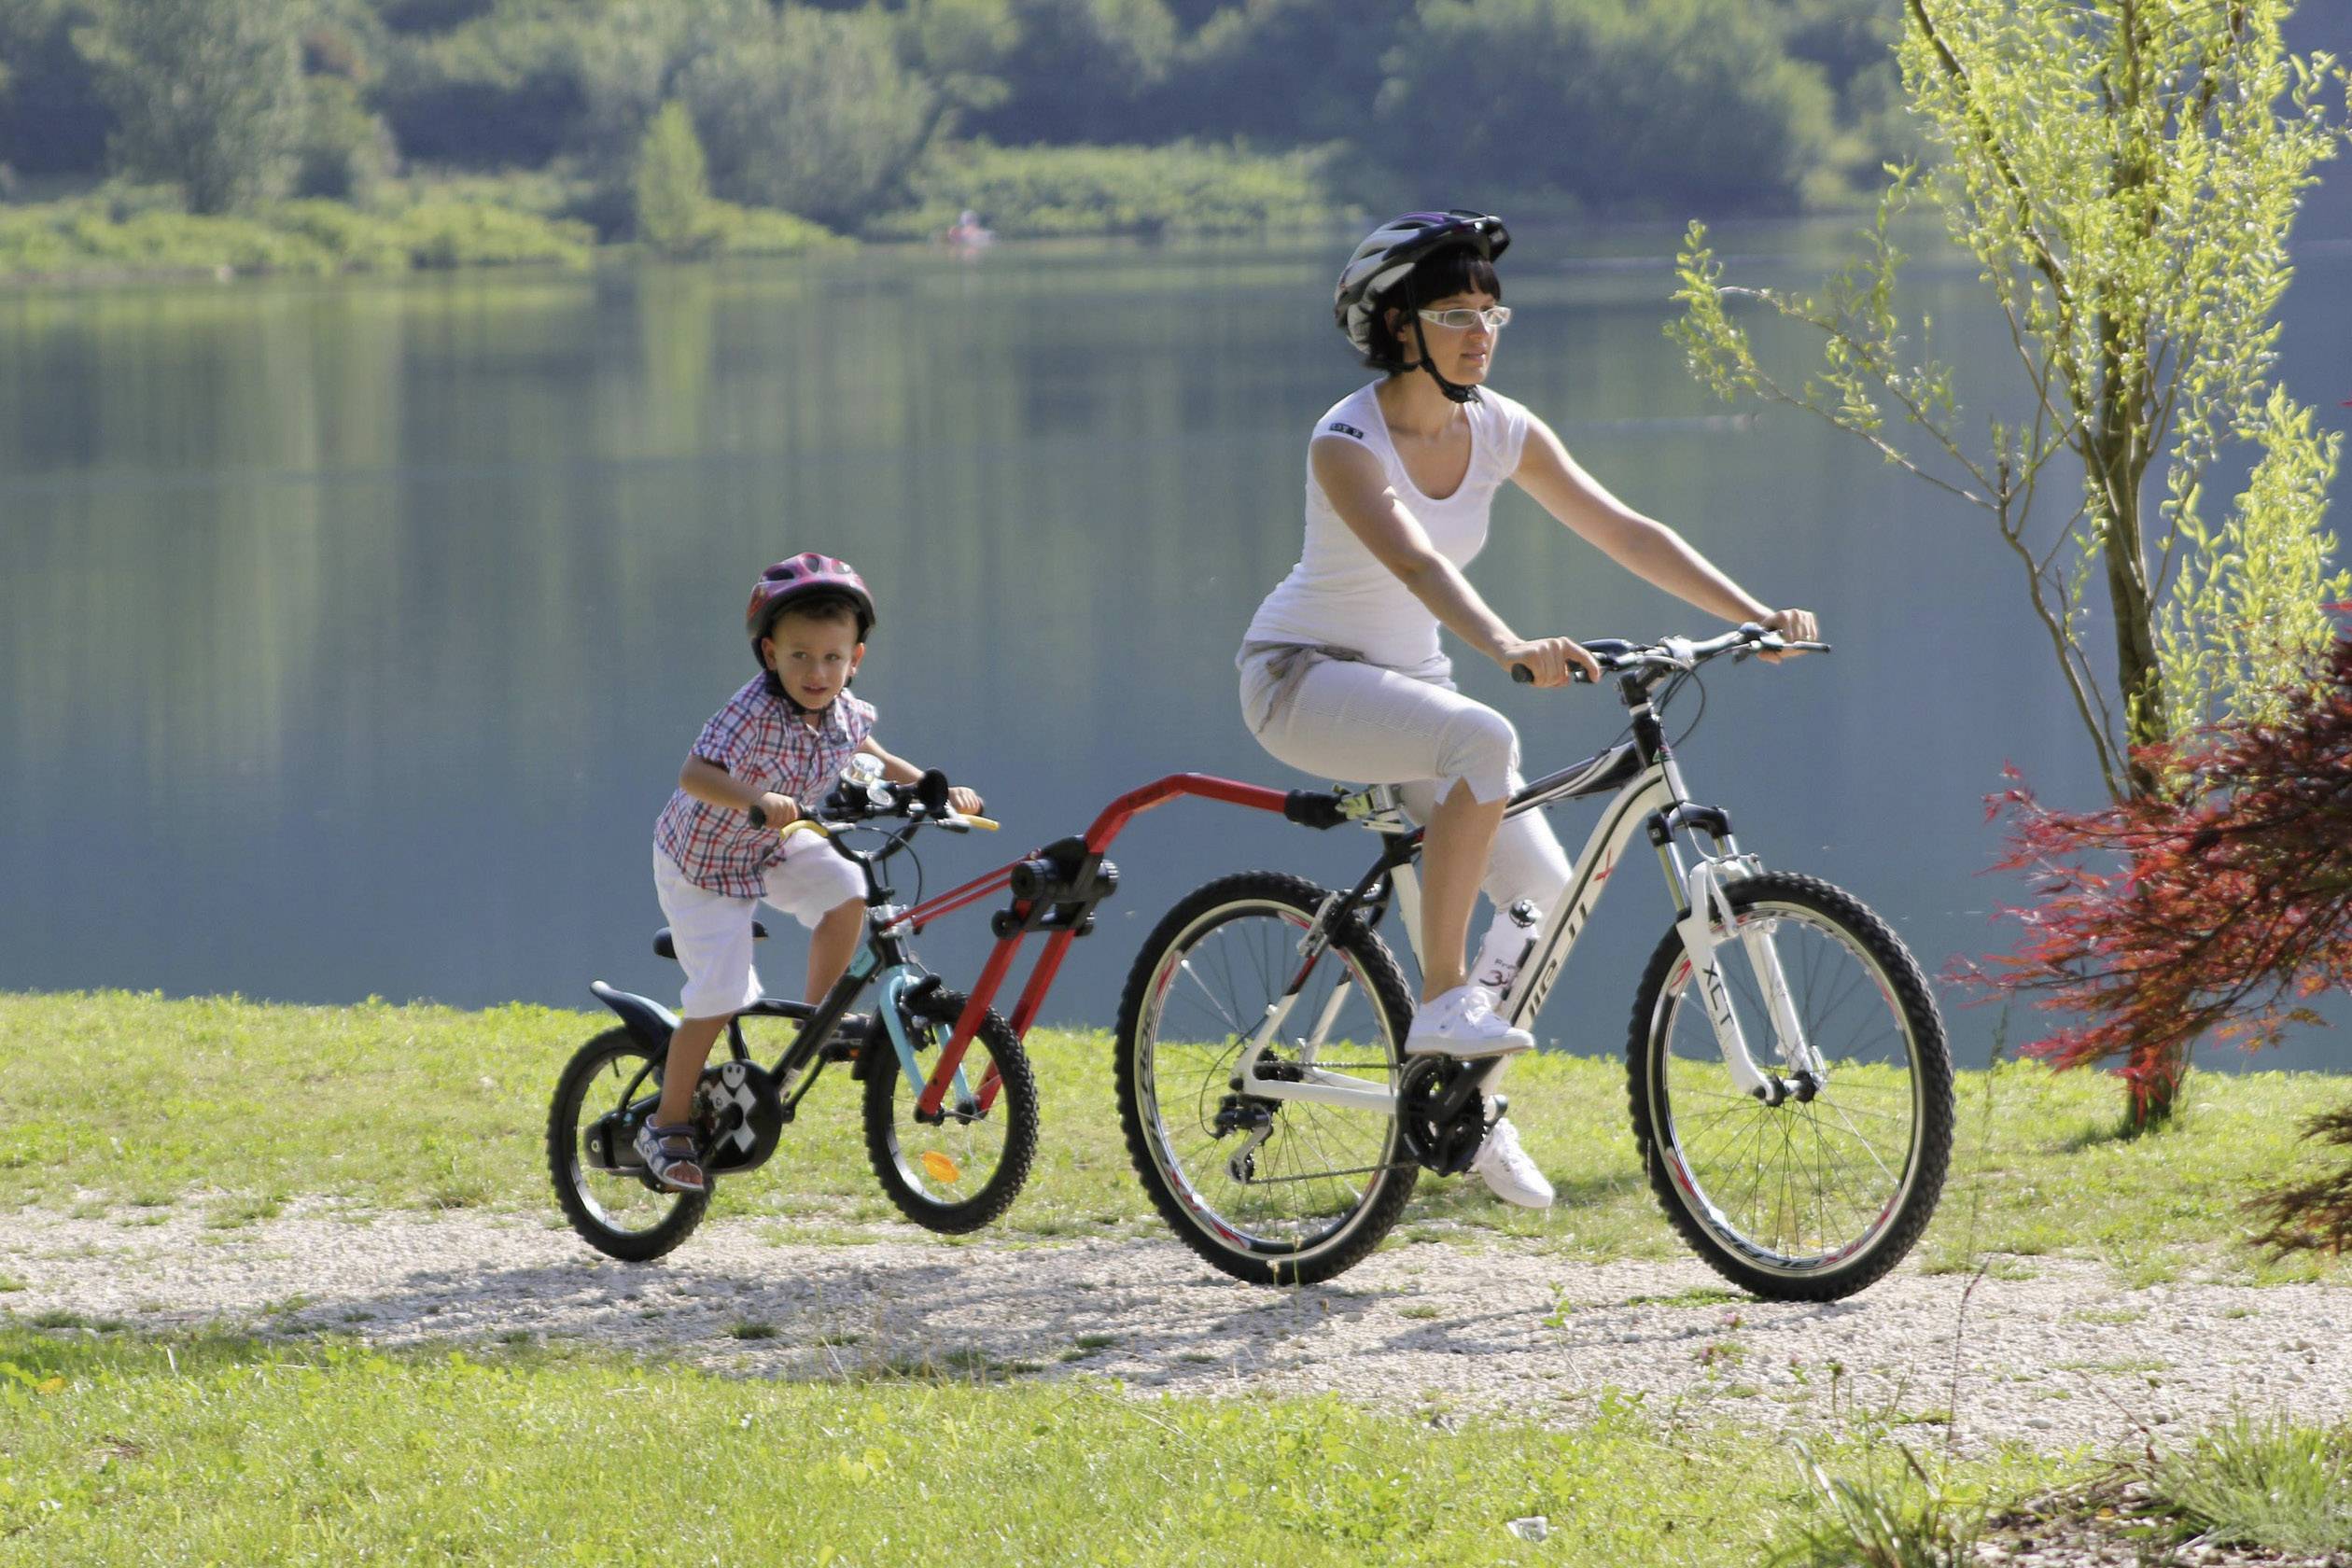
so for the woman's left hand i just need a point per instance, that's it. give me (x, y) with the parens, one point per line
(965, 802)
(1797, 626)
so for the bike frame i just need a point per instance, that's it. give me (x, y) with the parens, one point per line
(886, 959)
(1650, 800)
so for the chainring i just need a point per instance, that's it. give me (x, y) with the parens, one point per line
(1447, 1145)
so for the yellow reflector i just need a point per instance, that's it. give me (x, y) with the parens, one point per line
(939, 1168)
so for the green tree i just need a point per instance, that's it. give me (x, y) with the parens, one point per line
(814, 112)
(1615, 103)
(2125, 173)
(207, 94)
(674, 214)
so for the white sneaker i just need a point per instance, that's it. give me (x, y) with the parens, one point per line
(1462, 1022)
(1507, 1171)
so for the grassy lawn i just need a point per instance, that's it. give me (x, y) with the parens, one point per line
(131, 1104)
(203, 1450)
(122, 1447)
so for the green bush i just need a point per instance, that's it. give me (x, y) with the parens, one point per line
(358, 242)
(67, 238)
(471, 235)
(764, 232)
(814, 112)
(1620, 105)
(345, 152)
(674, 214)
(1184, 187)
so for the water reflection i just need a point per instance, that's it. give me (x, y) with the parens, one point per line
(353, 633)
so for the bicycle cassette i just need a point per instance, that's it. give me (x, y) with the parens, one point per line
(1442, 1114)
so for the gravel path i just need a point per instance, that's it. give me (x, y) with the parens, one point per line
(2068, 1356)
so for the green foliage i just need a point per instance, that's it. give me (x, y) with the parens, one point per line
(1617, 104)
(474, 234)
(82, 240)
(1891, 1516)
(2246, 608)
(1081, 68)
(673, 213)
(2125, 177)
(52, 118)
(1183, 188)
(501, 88)
(344, 152)
(813, 112)
(764, 231)
(2263, 1483)
(206, 94)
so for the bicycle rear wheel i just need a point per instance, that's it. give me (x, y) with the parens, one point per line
(614, 1205)
(1318, 1190)
(1808, 1200)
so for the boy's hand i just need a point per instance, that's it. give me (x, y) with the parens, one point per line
(772, 810)
(965, 802)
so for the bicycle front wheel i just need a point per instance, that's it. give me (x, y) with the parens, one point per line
(1807, 1200)
(957, 1169)
(1271, 1191)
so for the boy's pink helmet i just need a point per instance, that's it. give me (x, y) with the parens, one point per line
(805, 576)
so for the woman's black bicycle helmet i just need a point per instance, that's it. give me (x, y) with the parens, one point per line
(1387, 257)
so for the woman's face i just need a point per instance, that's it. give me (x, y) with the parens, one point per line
(1462, 354)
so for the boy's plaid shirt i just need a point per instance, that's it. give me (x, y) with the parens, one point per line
(759, 739)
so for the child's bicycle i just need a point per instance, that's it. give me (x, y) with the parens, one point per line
(1280, 1127)
(949, 1130)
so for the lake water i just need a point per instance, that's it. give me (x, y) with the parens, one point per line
(353, 632)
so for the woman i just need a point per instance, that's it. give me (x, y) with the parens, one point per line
(1341, 674)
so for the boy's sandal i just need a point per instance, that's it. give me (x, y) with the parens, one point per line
(667, 1149)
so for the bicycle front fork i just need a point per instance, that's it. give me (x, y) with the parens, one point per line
(1706, 909)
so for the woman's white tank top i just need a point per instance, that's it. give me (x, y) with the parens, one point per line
(1340, 594)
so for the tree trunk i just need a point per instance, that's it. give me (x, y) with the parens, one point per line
(2117, 469)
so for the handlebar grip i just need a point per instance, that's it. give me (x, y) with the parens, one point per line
(986, 824)
(1526, 677)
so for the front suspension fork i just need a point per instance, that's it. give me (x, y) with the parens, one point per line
(1707, 909)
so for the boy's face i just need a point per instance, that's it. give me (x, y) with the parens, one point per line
(814, 656)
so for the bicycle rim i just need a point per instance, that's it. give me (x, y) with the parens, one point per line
(949, 1162)
(622, 1201)
(1320, 1168)
(1804, 1188)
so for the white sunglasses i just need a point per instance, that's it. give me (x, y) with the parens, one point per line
(1494, 317)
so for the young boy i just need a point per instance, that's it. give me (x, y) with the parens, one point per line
(781, 739)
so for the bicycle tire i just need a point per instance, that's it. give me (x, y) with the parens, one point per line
(1694, 1202)
(920, 1193)
(672, 1216)
(1193, 1212)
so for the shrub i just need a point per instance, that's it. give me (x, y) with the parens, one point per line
(206, 94)
(674, 214)
(471, 235)
(1184, 187)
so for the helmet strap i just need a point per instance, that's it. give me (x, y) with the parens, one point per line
(1454, 391)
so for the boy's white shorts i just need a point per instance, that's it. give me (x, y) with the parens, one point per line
(712, 932)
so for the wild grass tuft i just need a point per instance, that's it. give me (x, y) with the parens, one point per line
(2263, 1482)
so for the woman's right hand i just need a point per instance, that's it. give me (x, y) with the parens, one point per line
(1551, 659)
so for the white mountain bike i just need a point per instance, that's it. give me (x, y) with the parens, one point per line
(1790, 1086)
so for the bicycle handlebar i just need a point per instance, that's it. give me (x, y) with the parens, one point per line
(851, 805)
(1617, 655)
